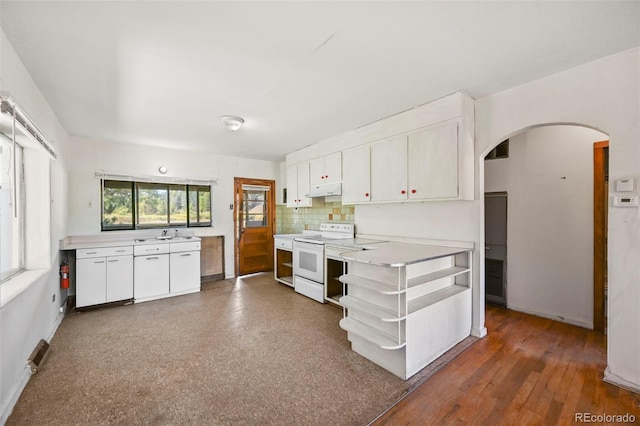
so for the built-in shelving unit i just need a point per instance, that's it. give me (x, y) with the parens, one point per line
(283, 260)
(407, 304)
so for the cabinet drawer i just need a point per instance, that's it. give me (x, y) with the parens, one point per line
(142, 250)
(103, 252)
(284, 243)
(186, 246)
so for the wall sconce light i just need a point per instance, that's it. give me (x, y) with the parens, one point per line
(232, 122)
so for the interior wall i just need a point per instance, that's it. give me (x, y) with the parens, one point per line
(549, 180)
(91, 155)
(604, 95)
(34, 312)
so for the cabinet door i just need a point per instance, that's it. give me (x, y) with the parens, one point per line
(303, 185)
(119, 278)
(91, 281)
(356, 182)
(317, 171)
(433, 162)
(292, 186)
(150, 276)
(184, 272)
(389, 170)
(333, 167)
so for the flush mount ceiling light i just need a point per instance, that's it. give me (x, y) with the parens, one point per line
(162, 169)
(232, 122)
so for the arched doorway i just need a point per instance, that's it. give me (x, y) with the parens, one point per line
(548, 175)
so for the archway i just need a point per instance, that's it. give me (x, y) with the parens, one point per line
(548, 177)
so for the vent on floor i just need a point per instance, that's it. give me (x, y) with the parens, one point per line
(37, 356)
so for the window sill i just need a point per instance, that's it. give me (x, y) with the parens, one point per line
(10, 289)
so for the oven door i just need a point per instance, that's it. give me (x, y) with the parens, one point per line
(308, 261)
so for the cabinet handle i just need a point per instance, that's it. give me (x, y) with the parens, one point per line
(92, 252)
(366, 195)
(403, 192)
(413, 191)
(186, 254)
(99, 261)
(153, 258)
(119, 251)
(154, 249)
(113, 260)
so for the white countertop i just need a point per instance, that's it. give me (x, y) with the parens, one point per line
(394, 254)
(91, 241)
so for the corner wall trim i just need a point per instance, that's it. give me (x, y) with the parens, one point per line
(616, 380)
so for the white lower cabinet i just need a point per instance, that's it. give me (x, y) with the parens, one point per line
(104, 275)
(184, 271)
(151, 276)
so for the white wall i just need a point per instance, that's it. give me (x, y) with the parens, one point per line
(90, 156)
(605, 95)
(34, 313)
(549, 180)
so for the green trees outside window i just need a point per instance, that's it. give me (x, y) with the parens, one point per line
(139, 205)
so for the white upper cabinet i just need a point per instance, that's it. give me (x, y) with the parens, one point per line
(422, 154)
(433, 163)
(298, 185)
(356, 179)
(326, 169)
(389, 170)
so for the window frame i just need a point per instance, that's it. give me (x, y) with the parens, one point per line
(135, 206)
(20, 196)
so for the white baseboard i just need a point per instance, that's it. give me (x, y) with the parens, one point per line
(15, 393)
(531, 311)
(17, 389)
(616, 380)
(479, 332)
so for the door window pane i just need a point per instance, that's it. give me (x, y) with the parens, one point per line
(254, 208)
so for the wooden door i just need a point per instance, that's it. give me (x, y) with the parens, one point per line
(600, 204)
(254, 225)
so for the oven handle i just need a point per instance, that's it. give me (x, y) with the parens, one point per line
(300, 245)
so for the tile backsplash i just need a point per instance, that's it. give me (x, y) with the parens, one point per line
(294, 220)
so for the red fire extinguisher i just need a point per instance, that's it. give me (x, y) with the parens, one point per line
(64, 275)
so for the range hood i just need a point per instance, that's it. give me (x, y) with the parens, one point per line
(325, 190)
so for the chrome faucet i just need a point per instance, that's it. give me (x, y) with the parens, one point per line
(165, 232)
(176, 236)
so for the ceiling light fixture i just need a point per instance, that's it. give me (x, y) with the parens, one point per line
(232, 122)
(162, 169)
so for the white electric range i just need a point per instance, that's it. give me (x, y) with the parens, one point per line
(308, 258)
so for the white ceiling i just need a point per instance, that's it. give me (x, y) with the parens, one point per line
(162, 73)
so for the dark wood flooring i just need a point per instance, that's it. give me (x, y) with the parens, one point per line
(527, 371)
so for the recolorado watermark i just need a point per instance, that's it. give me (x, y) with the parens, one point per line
(604, 418)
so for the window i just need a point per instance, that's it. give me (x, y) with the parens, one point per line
(12, 207)
(500, 151)
(140, 205)
(255, 208)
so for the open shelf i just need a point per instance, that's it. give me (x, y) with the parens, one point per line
(435, 297)
(289, 264)
(433, 276)
(286, 280)
(334, 299)
(370, 284)
(370, 334)
(382, 314)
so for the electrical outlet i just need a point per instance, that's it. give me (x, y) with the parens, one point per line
(230, 206)
(53, 298)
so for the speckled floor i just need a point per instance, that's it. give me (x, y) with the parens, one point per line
(250, 351)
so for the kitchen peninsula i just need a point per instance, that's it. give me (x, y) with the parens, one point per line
(406, 304)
